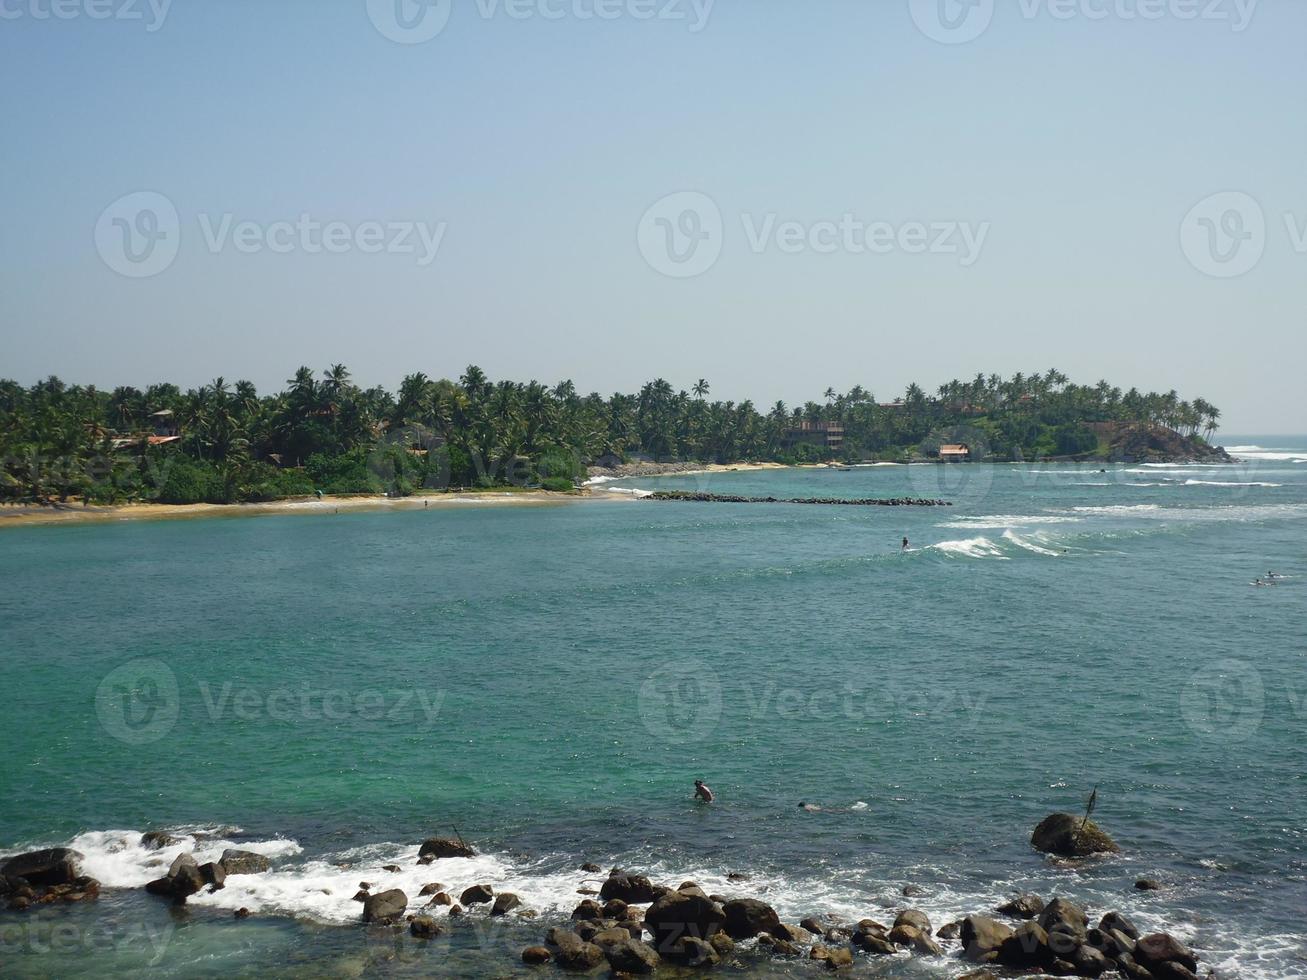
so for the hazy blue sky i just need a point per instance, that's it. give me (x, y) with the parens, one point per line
(530, 138)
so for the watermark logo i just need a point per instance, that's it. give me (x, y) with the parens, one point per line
(952, 21)
(1225, 701)
(681, 702)
(1224, 235)
(139, 234)
(138, 702)
(151, 12)
(680, 235)
(409, 21)
(959, 473)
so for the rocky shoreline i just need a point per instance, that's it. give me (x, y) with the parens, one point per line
(723, 498)
(633, 926)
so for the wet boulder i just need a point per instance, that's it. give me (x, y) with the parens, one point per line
(915, 918)
(588, 910)
(693, 952)
(237, 862)
(1153, 950)
(981, 938)
(385, 907)
(214, 875)
(536, 955)
(1115, 921)
(445, 847)
(746, 917)
(424, 927)
(505, 902)
(52, 866)
(1022, 907)
(477, 895)
(1071, 836)
(430, 888)
(677, 915)
(155, 840)
(632, 889)
(1027, 947)
(632, 956)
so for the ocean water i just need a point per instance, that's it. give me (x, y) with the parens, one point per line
(549, 681)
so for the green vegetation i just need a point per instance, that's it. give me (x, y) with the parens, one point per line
(226, 443)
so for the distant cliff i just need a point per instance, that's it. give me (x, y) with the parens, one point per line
(1146, 442)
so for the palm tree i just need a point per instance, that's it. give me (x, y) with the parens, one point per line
(700, 388)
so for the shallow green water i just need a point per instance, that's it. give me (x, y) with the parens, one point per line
(550, 680)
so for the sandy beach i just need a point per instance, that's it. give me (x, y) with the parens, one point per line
(75, 513)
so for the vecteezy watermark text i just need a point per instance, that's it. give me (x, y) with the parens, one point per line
(141, 702)
(683, 235)
(151, 12)
(960, 21)
(419, 21)
(139, 235)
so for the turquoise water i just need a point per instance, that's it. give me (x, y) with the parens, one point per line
(550, 680)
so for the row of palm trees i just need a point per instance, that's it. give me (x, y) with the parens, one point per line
(53, 435)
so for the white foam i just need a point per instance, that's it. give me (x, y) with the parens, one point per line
(1029, 545)
(981, 547)
(630, 491)
(1227, 483)
(986, 522)
(118, 860)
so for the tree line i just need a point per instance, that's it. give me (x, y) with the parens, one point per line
(225, 442)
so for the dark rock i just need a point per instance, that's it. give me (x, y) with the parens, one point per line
(588, 909)
(213, 874)
(1109, 941)
(1062, 833)
(242, 913)
(237, 862)
(426, 860)
(1157, 948)
(839, 958)
(689, 888)
(746, 917)
(911, 936)
(441, 898)
(19, 903)
(814, 925)
(1173, 971)
(559, 936)
(359, 896)
(535, 955)
(445, 847)
(392, 868)
(52, 866)
(154, 840)
(1147, 885)
(632, 956)
(677, 915)
(180, 863)
(365, 885)
(632, 889)
(982, 936)
(385, 907)
(1026, 947)
(693, 952)
(915, 918)
(872, 937)
(455, 910)
(505, 902)
(581, 956)
(914, 891)
(424, 927)
(477, 895)
(616, 909)
(1117, 921)
(778, 947)
(1089, 962)
(591, 867)
(1022, 907)
(430, 888)
(793, 934)
(950, 930)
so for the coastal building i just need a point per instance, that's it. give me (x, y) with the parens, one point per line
(955, 453)
(824, 435)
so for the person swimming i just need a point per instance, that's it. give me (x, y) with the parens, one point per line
(702, 792)
(810, 807)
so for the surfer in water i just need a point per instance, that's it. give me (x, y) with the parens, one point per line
(702, 792)
(905, 542)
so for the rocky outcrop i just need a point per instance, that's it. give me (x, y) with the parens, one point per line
(677, 915)
(1071, 836)
(184, 879)
(1157, 948)
(746, 917)
(155, 840)
(630, 888)
(981, 938)
(52, 866)
(632, 956)
(238, 862)
(687, 496)
(477, 895)
(445, 847)
(504, 903)
(1022, 907)
(385, 907)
